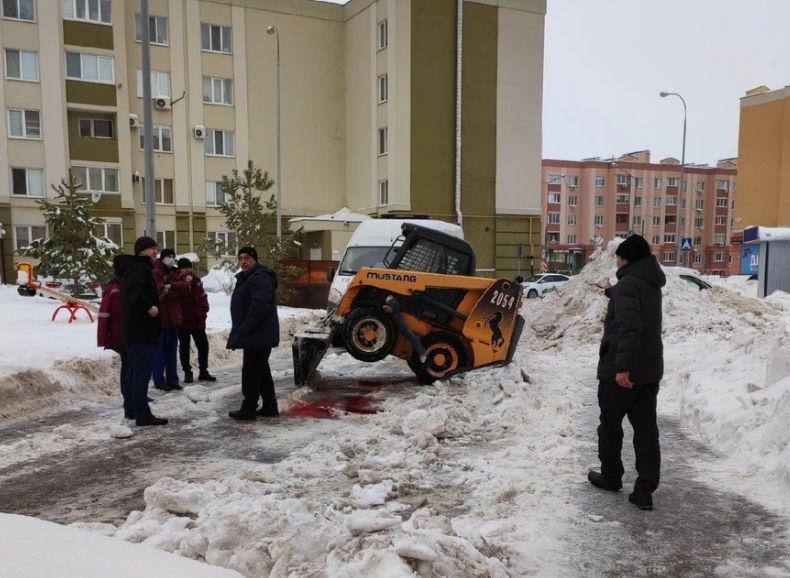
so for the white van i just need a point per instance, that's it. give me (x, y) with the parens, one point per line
(369, 245)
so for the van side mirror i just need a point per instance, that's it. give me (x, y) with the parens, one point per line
(330, 274)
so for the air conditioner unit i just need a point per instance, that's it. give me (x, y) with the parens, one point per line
(162, 103)
(199, 131)
(572, 187)
(134, 122)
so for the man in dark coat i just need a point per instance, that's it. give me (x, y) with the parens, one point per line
(255, 328)
(171, 286)
(194, 311)
(140, 326)
(630, 367)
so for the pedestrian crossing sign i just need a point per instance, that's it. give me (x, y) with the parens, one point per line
(685, 244)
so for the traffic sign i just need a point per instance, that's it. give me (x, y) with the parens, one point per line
(685, 244)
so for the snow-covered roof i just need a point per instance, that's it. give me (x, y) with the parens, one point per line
(757, 234)
(339, 220)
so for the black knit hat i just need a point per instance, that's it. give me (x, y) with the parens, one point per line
(184, 262)
(167, 253)
(633, 249)
(251, 251)
(143, 243)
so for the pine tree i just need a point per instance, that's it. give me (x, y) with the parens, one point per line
(71, 251)
(249, 216)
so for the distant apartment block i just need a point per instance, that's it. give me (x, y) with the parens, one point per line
(592, 201)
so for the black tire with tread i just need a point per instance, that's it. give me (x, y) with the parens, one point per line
(432, 340)
(358, 316)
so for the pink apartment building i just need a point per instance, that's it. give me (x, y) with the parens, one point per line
(595, 200)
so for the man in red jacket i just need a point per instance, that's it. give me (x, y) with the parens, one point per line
(194, 310)
(171, 286)
(108, 333)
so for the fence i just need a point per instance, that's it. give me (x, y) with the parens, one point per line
(311, 288)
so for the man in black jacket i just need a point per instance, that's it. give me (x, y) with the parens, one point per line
(630, 367)
(255, 328)
(140, 326)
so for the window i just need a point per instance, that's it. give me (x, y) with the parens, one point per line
(723, 185)
(571, 239)
(637, 220)
(553, 237)
(166, 239)
(217, 90)
(598, 220)
(111, 231)
(600, 182)
(656, 202)
(698, 241)
(656, 240)
(721, 203)
(555, 198)
(27, 182)
(96, 128)
(571, 219)
(163, 193)
(26, 234)
(698, 223)
(20, 9)
(657, 183)
(669, 238)
(163, 143)
(221, 143)
(699, 258)
(719, 239)
(215, 196)
(90, 10)
(90, 67)
(672, 182)
(700, 186)
(699, 204)
(621, 219)
(384, 192)
(721, 220)
(382, 35)
(671, 220)
(639, 182)
(668, 256)
(599, 201)
(623, 199)
(637, 201)
(623, 180)
(96, 179)
(555, 179)
(718, 257)
(573, 200)
(383, 88)
(160, 84)
(21, 65)
(226, 241)
(672, 201)
(383, 141)
(656, 221)
(572, 181)
(685, 182)
(554, 218)
(24, 124)
(215, 38)
(157, 29)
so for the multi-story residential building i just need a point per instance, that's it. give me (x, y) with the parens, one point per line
(369, 93)
(590, 202)
(764, 167)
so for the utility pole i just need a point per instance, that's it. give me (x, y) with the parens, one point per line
(148, 125)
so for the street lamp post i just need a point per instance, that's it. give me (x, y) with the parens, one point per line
(273, 30)
(681, 189)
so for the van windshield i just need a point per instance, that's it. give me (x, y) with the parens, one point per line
(358, 257)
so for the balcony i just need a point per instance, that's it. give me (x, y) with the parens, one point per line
(92, 136)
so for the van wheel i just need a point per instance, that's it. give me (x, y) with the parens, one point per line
(445, 354)
(532, 294)
(368, 334)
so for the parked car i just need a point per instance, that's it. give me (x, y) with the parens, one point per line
(694, 280)
(538, 285)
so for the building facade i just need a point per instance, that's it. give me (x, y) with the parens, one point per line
(590, 202)
(369, 118)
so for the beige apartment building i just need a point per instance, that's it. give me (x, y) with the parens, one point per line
(590, 202)
(369, 92)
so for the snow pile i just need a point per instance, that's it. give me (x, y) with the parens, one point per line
(442, 484)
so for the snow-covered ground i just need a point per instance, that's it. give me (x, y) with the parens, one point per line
(472, 477)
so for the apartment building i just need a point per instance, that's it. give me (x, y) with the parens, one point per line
(369, 93)
(590, 202)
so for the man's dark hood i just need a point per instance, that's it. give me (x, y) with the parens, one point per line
(120, 263)
(647, 269)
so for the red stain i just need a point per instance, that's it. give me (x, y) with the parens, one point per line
(329, 407)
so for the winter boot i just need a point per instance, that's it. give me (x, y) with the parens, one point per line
(243, 414)
(597, 480)
(172, 387)
(150, 419)
(188, 376)
(268, 412)
(206, 376)
(160, 385)
(641, 499)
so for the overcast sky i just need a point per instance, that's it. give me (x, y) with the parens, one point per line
(607, 60)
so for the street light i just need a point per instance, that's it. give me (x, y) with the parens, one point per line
(631, 200)
(273, 30)
(681, 193)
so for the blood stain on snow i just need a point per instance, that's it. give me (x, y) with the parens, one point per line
(329, 407)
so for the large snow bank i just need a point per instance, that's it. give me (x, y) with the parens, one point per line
(31, 548)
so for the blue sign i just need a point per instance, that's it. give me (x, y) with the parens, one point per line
(685, 244)
(750, 259)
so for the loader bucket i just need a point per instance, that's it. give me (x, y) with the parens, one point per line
(309, 348)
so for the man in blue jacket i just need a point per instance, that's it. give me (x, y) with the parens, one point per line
(255, 329)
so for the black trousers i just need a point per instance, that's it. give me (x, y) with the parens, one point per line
(256, 380)
(122, 352)
(639, 404)
(201, 342)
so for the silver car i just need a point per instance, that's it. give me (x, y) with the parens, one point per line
(538, 285)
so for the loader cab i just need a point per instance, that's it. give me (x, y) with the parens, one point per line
(430, 251)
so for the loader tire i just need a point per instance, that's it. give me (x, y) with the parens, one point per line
(368, 334)
(445, 354)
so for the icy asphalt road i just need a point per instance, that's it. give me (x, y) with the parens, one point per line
(694, 529)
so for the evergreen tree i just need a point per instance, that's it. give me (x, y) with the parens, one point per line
(249, 216)
(71, 250)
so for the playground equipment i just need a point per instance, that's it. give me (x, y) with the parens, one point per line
(29, 287)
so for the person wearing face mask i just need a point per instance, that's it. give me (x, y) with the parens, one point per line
(171, 286)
